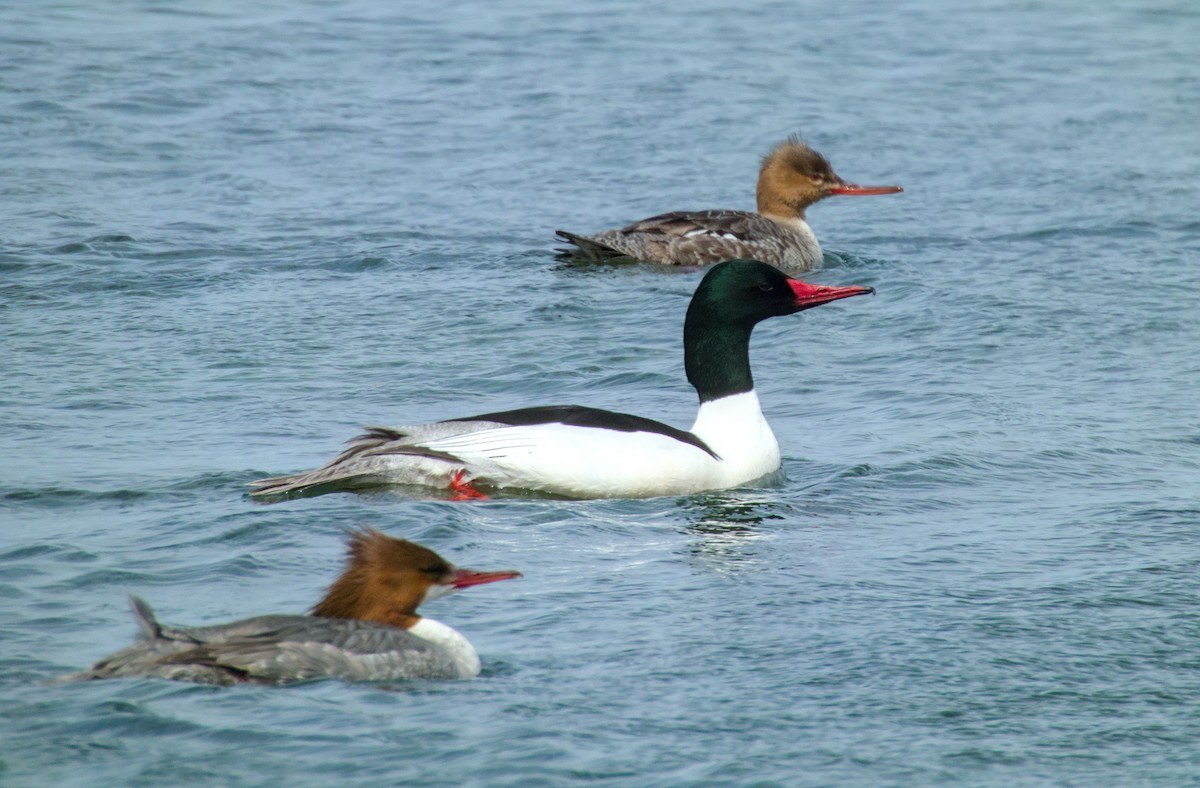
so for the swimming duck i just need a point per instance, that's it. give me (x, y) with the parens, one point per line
(581, 452)
(366, 628)
(793, 177)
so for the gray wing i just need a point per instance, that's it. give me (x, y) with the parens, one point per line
(273, 650)
(285, 649)
(733, 225)
(696, 238)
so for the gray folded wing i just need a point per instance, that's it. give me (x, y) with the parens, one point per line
(274, 650)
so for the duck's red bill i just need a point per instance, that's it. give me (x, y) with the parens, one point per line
(814, 295)
(464, 578)
(853, 189)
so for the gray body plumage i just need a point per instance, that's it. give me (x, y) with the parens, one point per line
(704, 237)
(274, 649)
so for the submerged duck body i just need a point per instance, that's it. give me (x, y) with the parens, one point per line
(580, 452)
(793, 176)
(365, 629)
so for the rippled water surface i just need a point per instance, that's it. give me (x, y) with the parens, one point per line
(230, 234)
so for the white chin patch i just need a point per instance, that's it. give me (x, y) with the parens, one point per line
(438, 590)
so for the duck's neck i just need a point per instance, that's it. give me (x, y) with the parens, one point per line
(774, 202)
(716, 355)
(780, 212)
(350, 597)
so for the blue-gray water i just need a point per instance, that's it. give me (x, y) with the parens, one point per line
(231, 233)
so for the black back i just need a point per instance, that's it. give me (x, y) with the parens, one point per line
(581, 416)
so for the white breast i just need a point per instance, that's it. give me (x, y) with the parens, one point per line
(452, 641)
(735, 428)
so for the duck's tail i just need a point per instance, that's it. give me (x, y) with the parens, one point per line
(587, 248)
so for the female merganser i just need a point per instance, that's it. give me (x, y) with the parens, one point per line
(365, 629)
(580, 452)
(793, 177)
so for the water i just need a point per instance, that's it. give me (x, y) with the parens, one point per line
(231, 235)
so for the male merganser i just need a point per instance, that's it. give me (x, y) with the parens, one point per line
(365, 629)
(580, 452)
(793, 176)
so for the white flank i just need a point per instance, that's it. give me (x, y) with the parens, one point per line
(581, 462)
(591, 462)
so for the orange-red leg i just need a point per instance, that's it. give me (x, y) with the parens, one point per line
(463, 491)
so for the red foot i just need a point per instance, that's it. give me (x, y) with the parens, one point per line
(463, 491)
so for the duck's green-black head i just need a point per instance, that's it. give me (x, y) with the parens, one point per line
(732, 298)
(741, 292)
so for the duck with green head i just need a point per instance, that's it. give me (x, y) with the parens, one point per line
(581, 452)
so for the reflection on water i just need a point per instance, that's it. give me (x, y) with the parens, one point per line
(725, 524)
(724, 512)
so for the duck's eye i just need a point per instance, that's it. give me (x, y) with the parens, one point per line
(766, 287)
(433, 569)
